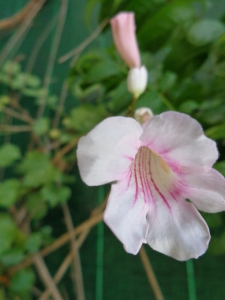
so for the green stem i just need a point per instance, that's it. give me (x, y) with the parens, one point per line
(100, 249)
(191, 280)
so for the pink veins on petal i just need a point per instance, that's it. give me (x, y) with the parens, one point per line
(150, 179)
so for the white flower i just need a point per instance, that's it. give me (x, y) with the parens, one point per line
(158, 169)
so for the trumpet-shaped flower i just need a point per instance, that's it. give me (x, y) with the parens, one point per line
(123, 30)
(163, 174)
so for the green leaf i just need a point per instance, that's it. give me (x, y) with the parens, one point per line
(33, 81)
(101, 71)
(4, 99)
(38, 170)
(213, 220)
(217, 245)
(22, 281)
(36, 206)
(120, 98)
(8, 232)
(216, 132)
(155, 101)
(220, 166)
(2, 294)
(9, 192)
(34, 242)
(12, 257)
(158, 27)
(167, 81)
(19, 81)
(9, 153)
(205, 31)
(188, 107)
(55, 194)
(85, 117)
(89, 10)
(41, 126)
(11, 67)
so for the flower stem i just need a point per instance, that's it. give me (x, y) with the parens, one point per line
(131, 107)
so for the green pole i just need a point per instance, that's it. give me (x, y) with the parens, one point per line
(191, 280)
(100, 249)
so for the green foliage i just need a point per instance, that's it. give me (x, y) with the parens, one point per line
(11, 67)
(36, 206)
(220, 166)
(41, 126)
(205, 31)
(9, 153)
(54, 195)
(12, 257)
(9, 192)
(38, 170)
(85, 117)
(22, 281)
(216, 132)
(8, 232)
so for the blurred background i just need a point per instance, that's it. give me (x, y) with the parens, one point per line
(60, 75)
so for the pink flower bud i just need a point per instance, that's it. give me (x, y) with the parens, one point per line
(123, 30)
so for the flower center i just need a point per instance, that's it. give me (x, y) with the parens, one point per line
(151, 176)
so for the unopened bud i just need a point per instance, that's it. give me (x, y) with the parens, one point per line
(54, 133)
(143, 115)
(137, 80)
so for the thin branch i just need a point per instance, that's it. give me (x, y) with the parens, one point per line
(46, 277)
(76, 256)
(36, 291)
(86, 225)
(22, 29)
(15, 104)
(17, 115)
(36, 49)
(77, 230)
(14, 129)
(85, 43)
(64, 150)
(17, 18)
(52, 57)
(59, 109)
(150, 274)
(65, 264)
(38, 45)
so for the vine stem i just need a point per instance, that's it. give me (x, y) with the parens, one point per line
(17, 18)
(52, 57)
(86, 225)
(22, 29)
(150, 274)
(77, 269)
(65, 265)
(84, 44)
(46, 277)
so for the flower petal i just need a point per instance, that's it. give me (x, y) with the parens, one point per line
(206, 191)
(106, 152)
(180, 141)
(123, 29)
(125, 218)
(180, 233)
